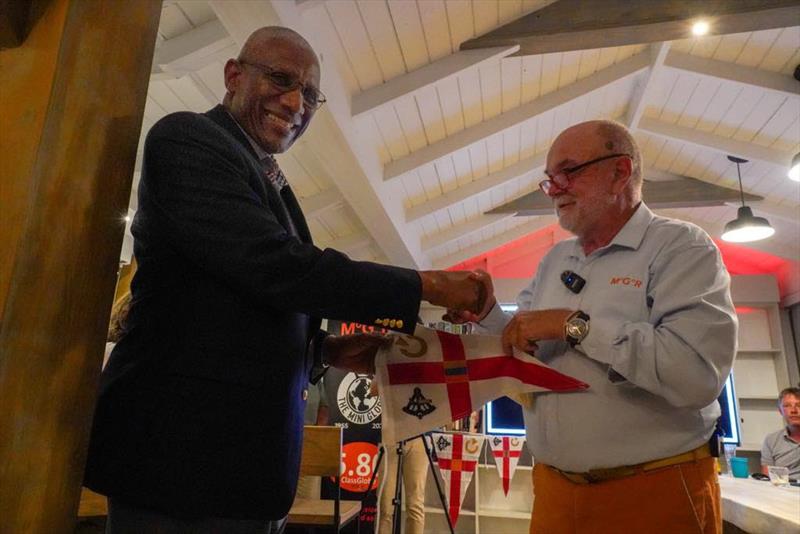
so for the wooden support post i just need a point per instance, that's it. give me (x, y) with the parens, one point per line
(72, 96)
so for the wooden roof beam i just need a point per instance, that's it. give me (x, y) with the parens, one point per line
(722, 145)
(477, 187)
(730, 72)
(665, 191)
(322, 202)
(193, 50)
(658, 53)
(516, 116)
(580, 25)
(351, 243)
(425, 76)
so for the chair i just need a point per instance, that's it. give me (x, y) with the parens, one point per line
(322, 456)
(92, 512)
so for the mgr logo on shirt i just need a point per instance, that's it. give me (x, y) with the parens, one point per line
(354, 401)
(625, 281)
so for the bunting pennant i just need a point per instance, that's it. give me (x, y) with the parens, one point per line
(457, 457)
(506, 451)
(433, 378)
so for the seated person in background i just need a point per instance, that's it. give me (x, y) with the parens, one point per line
(782, 448)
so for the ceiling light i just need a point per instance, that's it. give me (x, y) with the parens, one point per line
(746, 227)
(794, 170)
(700, 27)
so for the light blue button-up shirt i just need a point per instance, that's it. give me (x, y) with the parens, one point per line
(661, 344)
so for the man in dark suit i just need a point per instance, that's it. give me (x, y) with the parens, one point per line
(198, 426)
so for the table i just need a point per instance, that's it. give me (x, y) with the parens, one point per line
(759, 507)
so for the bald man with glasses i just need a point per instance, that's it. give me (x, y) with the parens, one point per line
(639, 307)
(199, 421)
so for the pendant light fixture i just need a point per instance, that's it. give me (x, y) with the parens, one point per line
(746, 227)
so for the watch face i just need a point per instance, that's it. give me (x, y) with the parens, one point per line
(577, 328)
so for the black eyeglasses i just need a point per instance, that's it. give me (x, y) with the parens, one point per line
(564, 177)
(285, 82)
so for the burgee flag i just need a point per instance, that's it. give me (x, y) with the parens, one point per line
(506, 451)
(457, 457)
(433, 378)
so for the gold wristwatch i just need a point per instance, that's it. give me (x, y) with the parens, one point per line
(576, 328)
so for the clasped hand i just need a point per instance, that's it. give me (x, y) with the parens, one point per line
(468, 291)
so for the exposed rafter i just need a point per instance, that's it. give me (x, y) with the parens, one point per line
(731, 72)
(308, 4)
(351, 243)
(580, 25)
(658, 53)
(322, 202)
(509, 119)
(477, 187)
(193, 50)
(678, 192)
(459, 231)
(447, 67)
(496, 241)
(723, 145)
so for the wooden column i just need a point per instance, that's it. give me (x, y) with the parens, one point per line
(72, 96)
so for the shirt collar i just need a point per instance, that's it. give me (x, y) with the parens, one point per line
(632, 233)
(788, 435)
(629, 236)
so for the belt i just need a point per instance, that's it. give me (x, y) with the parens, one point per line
(594, 476)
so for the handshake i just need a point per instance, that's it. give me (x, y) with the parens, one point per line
(467, 295)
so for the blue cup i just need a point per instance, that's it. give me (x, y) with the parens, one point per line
(739, 467)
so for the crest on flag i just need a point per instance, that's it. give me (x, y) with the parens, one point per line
(433, 378)
(506, 451)
(418, 405)
(457, 459)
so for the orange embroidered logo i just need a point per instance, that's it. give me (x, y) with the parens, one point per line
(626, 281)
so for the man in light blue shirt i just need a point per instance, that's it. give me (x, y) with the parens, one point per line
(638, 306)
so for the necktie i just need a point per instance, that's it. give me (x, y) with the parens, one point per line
(276, 179)
(273, 173)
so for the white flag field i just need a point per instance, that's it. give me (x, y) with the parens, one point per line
(433, 378)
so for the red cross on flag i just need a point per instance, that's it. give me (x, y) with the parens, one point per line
(433, 378)
(506, 451)
(457, 456)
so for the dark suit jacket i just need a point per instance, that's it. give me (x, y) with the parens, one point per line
(200, 409)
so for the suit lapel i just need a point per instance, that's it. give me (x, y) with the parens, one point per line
(299, 220)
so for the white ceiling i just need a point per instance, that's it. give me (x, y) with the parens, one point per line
(419, 139)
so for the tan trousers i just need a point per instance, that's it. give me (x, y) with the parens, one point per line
(679, 499)
(415, 472)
